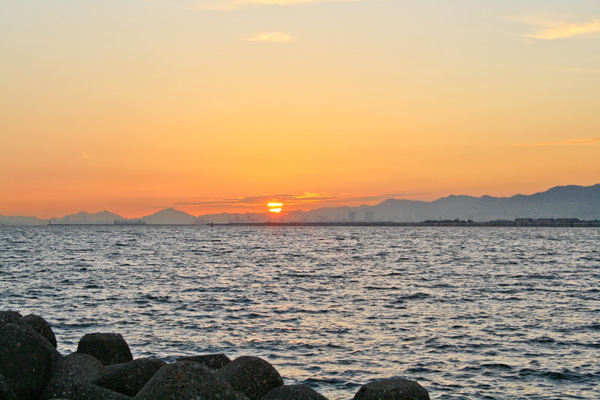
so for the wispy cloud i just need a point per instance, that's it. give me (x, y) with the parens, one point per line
(296, 201)
(237, 4)
(589, 141)
(551, 29)
(272, 37)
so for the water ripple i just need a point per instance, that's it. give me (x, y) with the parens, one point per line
(471, 313)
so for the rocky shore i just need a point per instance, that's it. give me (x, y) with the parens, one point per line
(103, 368)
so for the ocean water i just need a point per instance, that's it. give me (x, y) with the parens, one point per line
(470, 313)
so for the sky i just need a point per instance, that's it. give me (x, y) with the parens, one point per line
(207, 106)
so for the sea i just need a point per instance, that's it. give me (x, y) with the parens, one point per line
(468, 312)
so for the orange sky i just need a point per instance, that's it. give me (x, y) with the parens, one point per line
(222, 105)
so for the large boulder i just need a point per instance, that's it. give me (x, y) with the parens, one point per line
(213, 361)
(10, 317)
(294, 392)
(392, 389)
(26, 359)
(109, 348)
(81, 390)
(252, 376)
(186, 380)
(6, 392)
(41, 326)
(76, 367)
(129, 378)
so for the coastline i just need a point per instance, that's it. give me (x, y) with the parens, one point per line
(103, 368)
(443, 223)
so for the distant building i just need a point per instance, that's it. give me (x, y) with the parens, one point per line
(524, 220)
(235, 218)
(368, 216)
(567, 220)
(499, 222)
(544, 221)
(129, 222)
(352, 216)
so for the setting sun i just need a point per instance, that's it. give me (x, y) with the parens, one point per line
(108, 106)
(275, 207)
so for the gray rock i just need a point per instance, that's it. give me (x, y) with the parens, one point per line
(79, 367)
(41, 326)
(214, 361)
(252, 376)
(109, 348)
(76, 367)
(81, 390)
(186, 380)
(129, 378)
(392, 389)
(26, 359)
(6, 392)
(294, 392)
(10, 317)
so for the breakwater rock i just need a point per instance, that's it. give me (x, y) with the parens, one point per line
(103, 369)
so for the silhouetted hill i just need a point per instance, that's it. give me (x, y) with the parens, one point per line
(572, 201)
(4, 220)
(170, 216)
(581, 202)
(103, 217)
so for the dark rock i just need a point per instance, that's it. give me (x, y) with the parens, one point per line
(186, 380)
(76, 367)
(252, 376)
(110, 348)
(10, 317)
(293, 392)
(81, 390)
(6, 392)
(392, 389)
(79, 367)
(129, 378)
(41, 326)
(214, 361)
(26, 359)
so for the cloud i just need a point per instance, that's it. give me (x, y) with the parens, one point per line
(589, 141)
(297, 201)
(272, 37)
(551, 29)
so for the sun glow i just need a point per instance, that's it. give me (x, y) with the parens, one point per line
(275, 207)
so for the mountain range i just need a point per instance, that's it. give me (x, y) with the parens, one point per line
(581, 202)
(572, 201)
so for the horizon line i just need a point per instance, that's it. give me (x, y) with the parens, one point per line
(266, 212)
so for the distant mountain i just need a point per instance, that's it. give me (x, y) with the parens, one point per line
(103, 217)
(4, 220)
(170, 216)
(581, 202)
